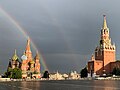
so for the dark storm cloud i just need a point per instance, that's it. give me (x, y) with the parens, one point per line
(65, 31)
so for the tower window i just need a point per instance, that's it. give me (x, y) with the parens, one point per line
(104, 31)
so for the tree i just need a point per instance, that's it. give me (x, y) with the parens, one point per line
(84, 73)
(116, 71)
(8, 74)
(15, 73)
(46, 74)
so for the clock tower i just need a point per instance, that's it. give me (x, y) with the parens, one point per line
(104, 53)
(106, 50)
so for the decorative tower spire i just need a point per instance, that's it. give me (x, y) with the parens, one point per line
(15, 57)
(105, 37)
(28, 52)
(92, 57)
(104, 22)
(28, 45)
(15, 51)
(37, 56)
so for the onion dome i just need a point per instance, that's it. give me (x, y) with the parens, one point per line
(28, 46)
(24, 57)
(15, 57)
(32, 62)
(37, 56)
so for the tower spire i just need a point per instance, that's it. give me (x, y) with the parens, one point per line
(15, 52)
(28, 52)
(37, 55)
(28, 45)
(104, 22)
(15, 57)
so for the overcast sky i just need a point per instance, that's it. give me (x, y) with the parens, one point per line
(66, 32)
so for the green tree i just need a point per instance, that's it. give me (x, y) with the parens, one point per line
(116, 71)
(8, 74)
(84, 73)
(16, 73)
(46, 74)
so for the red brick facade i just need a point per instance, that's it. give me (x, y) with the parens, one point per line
(104, 53)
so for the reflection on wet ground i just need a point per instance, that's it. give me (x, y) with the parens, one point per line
(62, 85)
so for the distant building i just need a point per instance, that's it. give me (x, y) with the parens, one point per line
(74, 75)
(105, 57)
(56, 76)
(30, 66)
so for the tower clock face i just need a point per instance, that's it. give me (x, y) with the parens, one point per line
(107, 42)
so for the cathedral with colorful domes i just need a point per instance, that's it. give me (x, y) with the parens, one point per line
(104, 60)
(30, 66)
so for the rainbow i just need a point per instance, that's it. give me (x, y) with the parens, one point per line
(14, 22)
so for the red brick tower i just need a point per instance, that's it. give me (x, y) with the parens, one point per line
(104, 53)
(106, 50)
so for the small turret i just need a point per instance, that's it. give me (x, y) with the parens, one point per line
(92, 57)
(15, 63)
(37, 57)
(32, 62)
(28, 45)
(15, 57)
